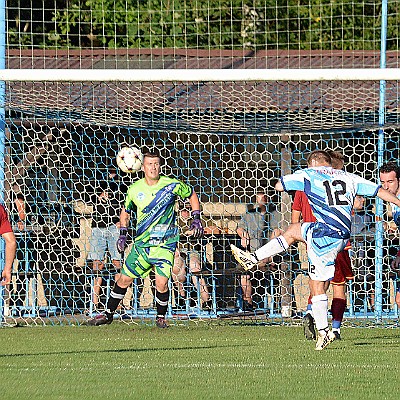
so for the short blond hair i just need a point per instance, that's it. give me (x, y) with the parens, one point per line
(319, 156)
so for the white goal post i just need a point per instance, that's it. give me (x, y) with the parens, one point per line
(228, 132)
(212, 75)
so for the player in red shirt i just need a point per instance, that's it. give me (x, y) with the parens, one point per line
(343, 272)
(11, 246)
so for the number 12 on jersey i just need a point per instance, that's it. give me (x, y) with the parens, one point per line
(335, 192)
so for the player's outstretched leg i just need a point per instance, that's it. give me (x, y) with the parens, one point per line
(324, 339)
(246, 259)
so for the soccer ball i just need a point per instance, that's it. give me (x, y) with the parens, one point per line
(129, 159)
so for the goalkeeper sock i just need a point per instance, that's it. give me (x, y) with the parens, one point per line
(162, 303)
(116, 295)
(320, 311)
(273, 247)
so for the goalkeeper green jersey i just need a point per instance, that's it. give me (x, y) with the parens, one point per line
(155, 209)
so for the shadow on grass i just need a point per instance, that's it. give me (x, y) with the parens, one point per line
(52, 353)
(391, 344)
(394, 340)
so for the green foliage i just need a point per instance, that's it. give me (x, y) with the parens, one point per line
(204, 361)
(212, 24)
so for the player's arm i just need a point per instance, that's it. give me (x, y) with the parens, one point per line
(291, 182)
(196, 227)
(124, 218)
(194, 202)
(296, 216)
(279, 186)
(11, 247)
(387, 196)
(20, 206)
(123, 230)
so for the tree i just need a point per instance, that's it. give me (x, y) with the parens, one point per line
(212, 24)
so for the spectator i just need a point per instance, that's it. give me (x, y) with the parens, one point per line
(280, 266)
(107, 202)
(188, 253)
(26, 253)
(251, 230)
(262, 222)
(331, 194)
(154, 245)
(389, 175)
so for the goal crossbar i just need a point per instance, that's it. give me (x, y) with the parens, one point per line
(199, 75)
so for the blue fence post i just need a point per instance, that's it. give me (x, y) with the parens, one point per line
(381, 151)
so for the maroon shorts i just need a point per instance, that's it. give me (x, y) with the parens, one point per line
(343, 271)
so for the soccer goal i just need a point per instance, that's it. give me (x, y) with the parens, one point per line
(229, 133)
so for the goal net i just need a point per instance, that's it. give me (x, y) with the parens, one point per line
(229, 134)
(233, 95)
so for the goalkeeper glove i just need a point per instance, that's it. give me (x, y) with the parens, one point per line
(121, 242)
(196, 226)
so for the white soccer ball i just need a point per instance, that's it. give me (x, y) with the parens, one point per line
(129, 159)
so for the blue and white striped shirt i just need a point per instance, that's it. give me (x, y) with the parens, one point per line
(331, 193)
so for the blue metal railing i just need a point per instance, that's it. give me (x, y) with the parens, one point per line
(381, 152)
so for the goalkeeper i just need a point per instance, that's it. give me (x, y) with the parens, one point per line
(153, 198)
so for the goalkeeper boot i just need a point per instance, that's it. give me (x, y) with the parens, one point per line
(246, 259)
(101, 319)
(324, 339)
(160, 322)
(309, 327)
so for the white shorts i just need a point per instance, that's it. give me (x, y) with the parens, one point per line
(323, 245)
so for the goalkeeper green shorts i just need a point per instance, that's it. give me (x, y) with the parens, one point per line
(141, 260)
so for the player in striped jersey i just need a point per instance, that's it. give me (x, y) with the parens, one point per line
(331, 195)
(301, 210)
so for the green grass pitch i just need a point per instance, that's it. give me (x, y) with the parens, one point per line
(196, 361)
